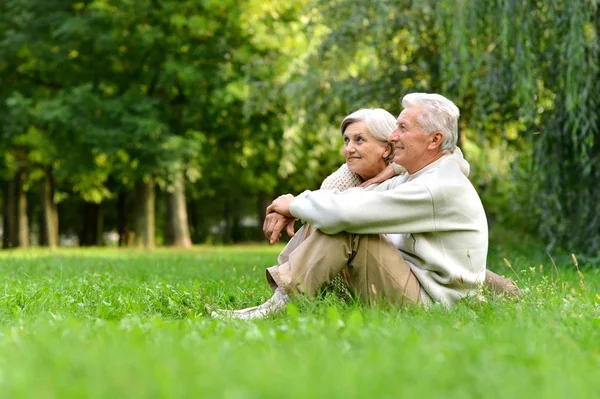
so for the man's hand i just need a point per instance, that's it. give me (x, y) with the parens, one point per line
(281, 205)
(279, 217)
(274, 225)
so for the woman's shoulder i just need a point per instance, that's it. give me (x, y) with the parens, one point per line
(342, 179)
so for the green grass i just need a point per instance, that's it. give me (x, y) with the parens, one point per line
(103, 323)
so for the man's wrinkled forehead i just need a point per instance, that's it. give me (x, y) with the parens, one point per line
(408, 116)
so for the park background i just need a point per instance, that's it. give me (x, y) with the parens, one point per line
(141, 127)
(176, 122)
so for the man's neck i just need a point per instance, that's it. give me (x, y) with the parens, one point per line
(426, 163)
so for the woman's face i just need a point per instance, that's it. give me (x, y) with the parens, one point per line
(365, 155)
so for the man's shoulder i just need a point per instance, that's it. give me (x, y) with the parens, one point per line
(453, 193)
(447, 176)
(446, 168)
(398, 180)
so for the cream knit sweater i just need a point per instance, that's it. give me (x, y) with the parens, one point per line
(437, 213)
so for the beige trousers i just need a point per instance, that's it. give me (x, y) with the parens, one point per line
(370, 265)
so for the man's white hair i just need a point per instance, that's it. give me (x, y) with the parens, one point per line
(379, 122)
(440, 115)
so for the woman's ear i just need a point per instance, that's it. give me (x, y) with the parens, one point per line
(389, 148)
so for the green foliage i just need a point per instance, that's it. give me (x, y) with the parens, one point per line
(84, 68)
(245, 98)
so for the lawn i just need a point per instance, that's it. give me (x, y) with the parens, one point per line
(107, 323)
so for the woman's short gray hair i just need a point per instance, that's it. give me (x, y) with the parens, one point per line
(440, 115)
(379, 122)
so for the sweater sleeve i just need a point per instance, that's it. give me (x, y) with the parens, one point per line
(407, 208)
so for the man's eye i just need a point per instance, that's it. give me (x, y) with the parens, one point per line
(360, 140)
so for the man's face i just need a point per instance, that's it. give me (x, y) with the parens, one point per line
(411, 145)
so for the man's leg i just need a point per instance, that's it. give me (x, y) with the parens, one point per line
(371, 266)
(284, 256)
(294, 242)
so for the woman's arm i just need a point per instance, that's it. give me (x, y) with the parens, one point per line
(390, 171)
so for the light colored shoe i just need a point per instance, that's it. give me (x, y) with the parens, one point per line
(228, 312)
(274, 305)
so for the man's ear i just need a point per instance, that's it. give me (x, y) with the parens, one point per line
(436, 140)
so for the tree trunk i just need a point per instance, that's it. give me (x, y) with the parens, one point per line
(178, 233)
(16, 223)
(9, 239)
(145, 227)
(49, 214)
(123, 220)
(93, 225)
(23, 220)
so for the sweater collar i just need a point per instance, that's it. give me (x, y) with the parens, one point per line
(429, 167)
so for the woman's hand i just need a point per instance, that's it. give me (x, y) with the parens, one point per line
(385, 174)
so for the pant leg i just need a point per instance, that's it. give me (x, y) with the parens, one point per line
(284, 256)
(372, 267)
(294, 242)
(378, 271)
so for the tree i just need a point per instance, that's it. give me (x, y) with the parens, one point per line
(111, 115)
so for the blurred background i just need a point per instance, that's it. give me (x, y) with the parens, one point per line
(171, 122)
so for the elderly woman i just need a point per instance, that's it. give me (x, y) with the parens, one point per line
(366, 149)
(369, 156)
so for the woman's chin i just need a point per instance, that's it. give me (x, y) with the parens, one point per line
(361, 174)
(353, 169)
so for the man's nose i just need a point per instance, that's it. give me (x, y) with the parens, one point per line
(393, 136)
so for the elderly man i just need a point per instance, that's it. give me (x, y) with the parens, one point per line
(441, 256)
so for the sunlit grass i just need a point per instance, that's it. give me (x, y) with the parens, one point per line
(112, 323)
